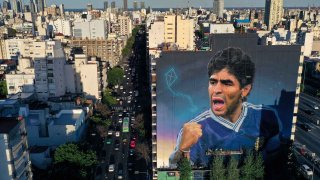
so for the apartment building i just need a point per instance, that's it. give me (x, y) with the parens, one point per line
(125, 24)
(86, 76)
(170, 28)
(156, 34)
(185, 33)
(106, 49)
(62, 26)
(14, 156)
(93, 29)
(273, 12)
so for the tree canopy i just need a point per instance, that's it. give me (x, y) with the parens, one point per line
(185, 169)
(3, 89)
(107, 98)
(69, 158)
(115, 76)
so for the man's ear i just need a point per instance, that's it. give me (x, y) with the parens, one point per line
(246, 90)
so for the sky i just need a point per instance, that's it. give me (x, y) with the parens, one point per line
(81, 4)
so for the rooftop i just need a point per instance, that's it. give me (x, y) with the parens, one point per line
(67, 119)
(7, 123)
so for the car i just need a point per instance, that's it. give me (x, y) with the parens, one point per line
(108, 140)
(120, 120)
(124, 140)
(130, 166)
(120, 115)
(121, 87)
(116, 145)
(309, 112)
(305, 127)
(132, 144)
(110, 131)
(111, 168)
(131, 152)
(306, 171)
(120, 171)
(117, 133)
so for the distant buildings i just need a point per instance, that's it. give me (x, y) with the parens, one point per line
(176, 30)
(14, 155)
(218, 7)
(125, 5)
(135, 5)
(105, 5)
(273, 12)
(91, 29)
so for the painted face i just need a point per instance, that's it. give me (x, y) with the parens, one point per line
(225, 95)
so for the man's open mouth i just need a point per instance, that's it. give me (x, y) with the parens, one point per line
(217, 103)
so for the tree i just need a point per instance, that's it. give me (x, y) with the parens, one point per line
(71, 162)
(3, 89)
(108, 99)
(233, 171)
(218, 169)
(259, 167)
(103, 110)
(248, 168)
(185, 169)
(144, 151)
(115, 76)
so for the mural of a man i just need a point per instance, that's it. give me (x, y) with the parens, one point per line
(231, 124)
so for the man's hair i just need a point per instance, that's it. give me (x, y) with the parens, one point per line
(236, 62)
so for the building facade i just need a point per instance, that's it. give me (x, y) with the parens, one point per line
(273, 12)
(14, 156)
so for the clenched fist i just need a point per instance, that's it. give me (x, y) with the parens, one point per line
(191, 133)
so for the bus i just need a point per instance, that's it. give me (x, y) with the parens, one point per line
(125, 124)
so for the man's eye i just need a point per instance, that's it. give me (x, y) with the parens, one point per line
(213, 82)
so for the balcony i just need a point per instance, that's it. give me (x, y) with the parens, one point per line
(154, 132)
(154, 122)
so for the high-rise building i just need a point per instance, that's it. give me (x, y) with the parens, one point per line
(40, 5)
(142, 6)
(26, 8)
(218, 6)
(113, 4)
(61, 7)
(125, 5)
(14, 5)
(6, 5)
(135, 5)
(105, 5)
(94, 29)
(14, 155)
(89, 7)
(273, 12)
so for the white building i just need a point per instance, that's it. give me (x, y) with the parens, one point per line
(14, 156)
(218, 7)
(185, 33)
(17, 83)
(156, 34)
(306, 39)
(221, 28)
(45, 130)
(62, 26)
(92, 29)
(125, 25)
(85, 77)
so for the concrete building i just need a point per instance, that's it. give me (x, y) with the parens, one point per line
(142, 6)
(89, 7)
(93, 29)
(135, 5)
(221, 28)
(273, 12)
(61, 8)
(125, 5)
(86, 77)
(62, 26)
(185, 33)
(125, 25)
(105, 5)
(14, 155)
(106, 49)
(170, 28)
(218, 7)
(156, 34)
(17, 83)
(306, 39)
(61, 128)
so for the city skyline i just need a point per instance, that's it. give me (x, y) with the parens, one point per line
(97, 4)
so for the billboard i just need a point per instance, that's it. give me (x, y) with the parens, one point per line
(187, 95)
